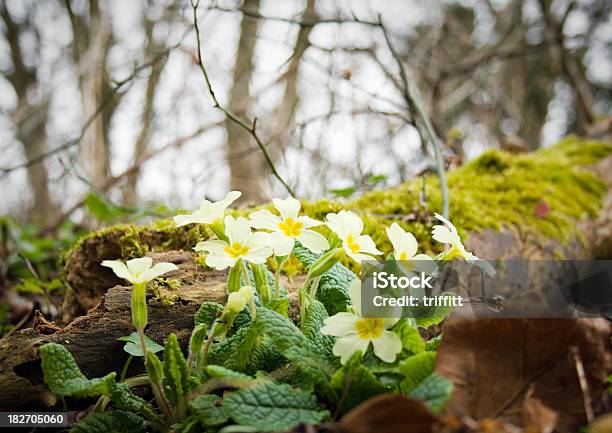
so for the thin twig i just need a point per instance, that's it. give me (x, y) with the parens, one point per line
(105, 101)
(584, 384)
(300, 22)
(251, 129)
(56, 223)
(412, 99)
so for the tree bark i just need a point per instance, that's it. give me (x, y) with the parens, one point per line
(245, 165)
(95, 154)
(285, 111)
(30, 120)
(142, 141)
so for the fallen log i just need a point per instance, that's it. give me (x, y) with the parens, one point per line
(92, 338)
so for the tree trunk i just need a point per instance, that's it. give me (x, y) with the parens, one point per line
(142, 141)
(244, 161)
(95, 155)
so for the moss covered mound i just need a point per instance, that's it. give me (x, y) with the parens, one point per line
(497, 190)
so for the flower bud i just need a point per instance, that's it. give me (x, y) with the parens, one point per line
(235, 302)
(233, 279)
(139, 306)
(247, 293)
(261, 282)
(198, 336)
(325, 262)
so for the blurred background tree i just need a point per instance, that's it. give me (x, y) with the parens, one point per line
(104, 97)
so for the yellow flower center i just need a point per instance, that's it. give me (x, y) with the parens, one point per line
(291, 227)
(236, 250)
(368, 328)
(403, 256)
(453, 253)
(353, 246)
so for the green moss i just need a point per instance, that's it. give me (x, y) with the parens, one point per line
(169, 283)
(493, 191)
(500, 190)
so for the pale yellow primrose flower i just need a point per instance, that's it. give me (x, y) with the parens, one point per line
(355, 333)
(288, 227)
(209, 212)
(242, 244)
(447, 234)
(348, 226)
(236, 301)
(405, 248)
(138, 271)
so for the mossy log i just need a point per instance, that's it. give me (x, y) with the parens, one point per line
(92, 338)
(552, 203)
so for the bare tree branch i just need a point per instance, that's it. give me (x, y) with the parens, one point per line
(251, 129)
(135, 167)
(106, 100)
(413, 101)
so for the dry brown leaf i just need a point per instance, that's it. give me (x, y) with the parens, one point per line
(603, 424)
(389, 414)
(493, 363)
(537, 417)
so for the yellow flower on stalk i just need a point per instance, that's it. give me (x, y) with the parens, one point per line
(139, 271)
(448, 234)
(236, 301)
(405, 248)
(356, 333)
(289, 227)
(209, 212)
(348, 226)
(241, 244)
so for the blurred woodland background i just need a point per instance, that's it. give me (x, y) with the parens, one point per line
(106, 115)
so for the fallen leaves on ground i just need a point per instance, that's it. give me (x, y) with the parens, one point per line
(496, 364)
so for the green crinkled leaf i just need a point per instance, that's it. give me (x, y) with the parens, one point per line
(133, 346)
(415, 370)
(434, 390)
(354, 383)
(333, 285)
(207, 313)
(426, 322)
(410, 336)
(124, 399)
(265, 357)
(176, 379)
(235, 352)
(219, 371)
(433, 343)
(207, 409)
(294, 346)
(315, 315)
(64, 377)
(243, 318)
(273, 407)
(110, 422)
(280, 305)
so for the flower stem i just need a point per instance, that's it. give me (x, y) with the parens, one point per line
(313, 288)
(245, 274)
(302, 299)
(206, 349)
(125, 368)
(277, 276)
(158, 392)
